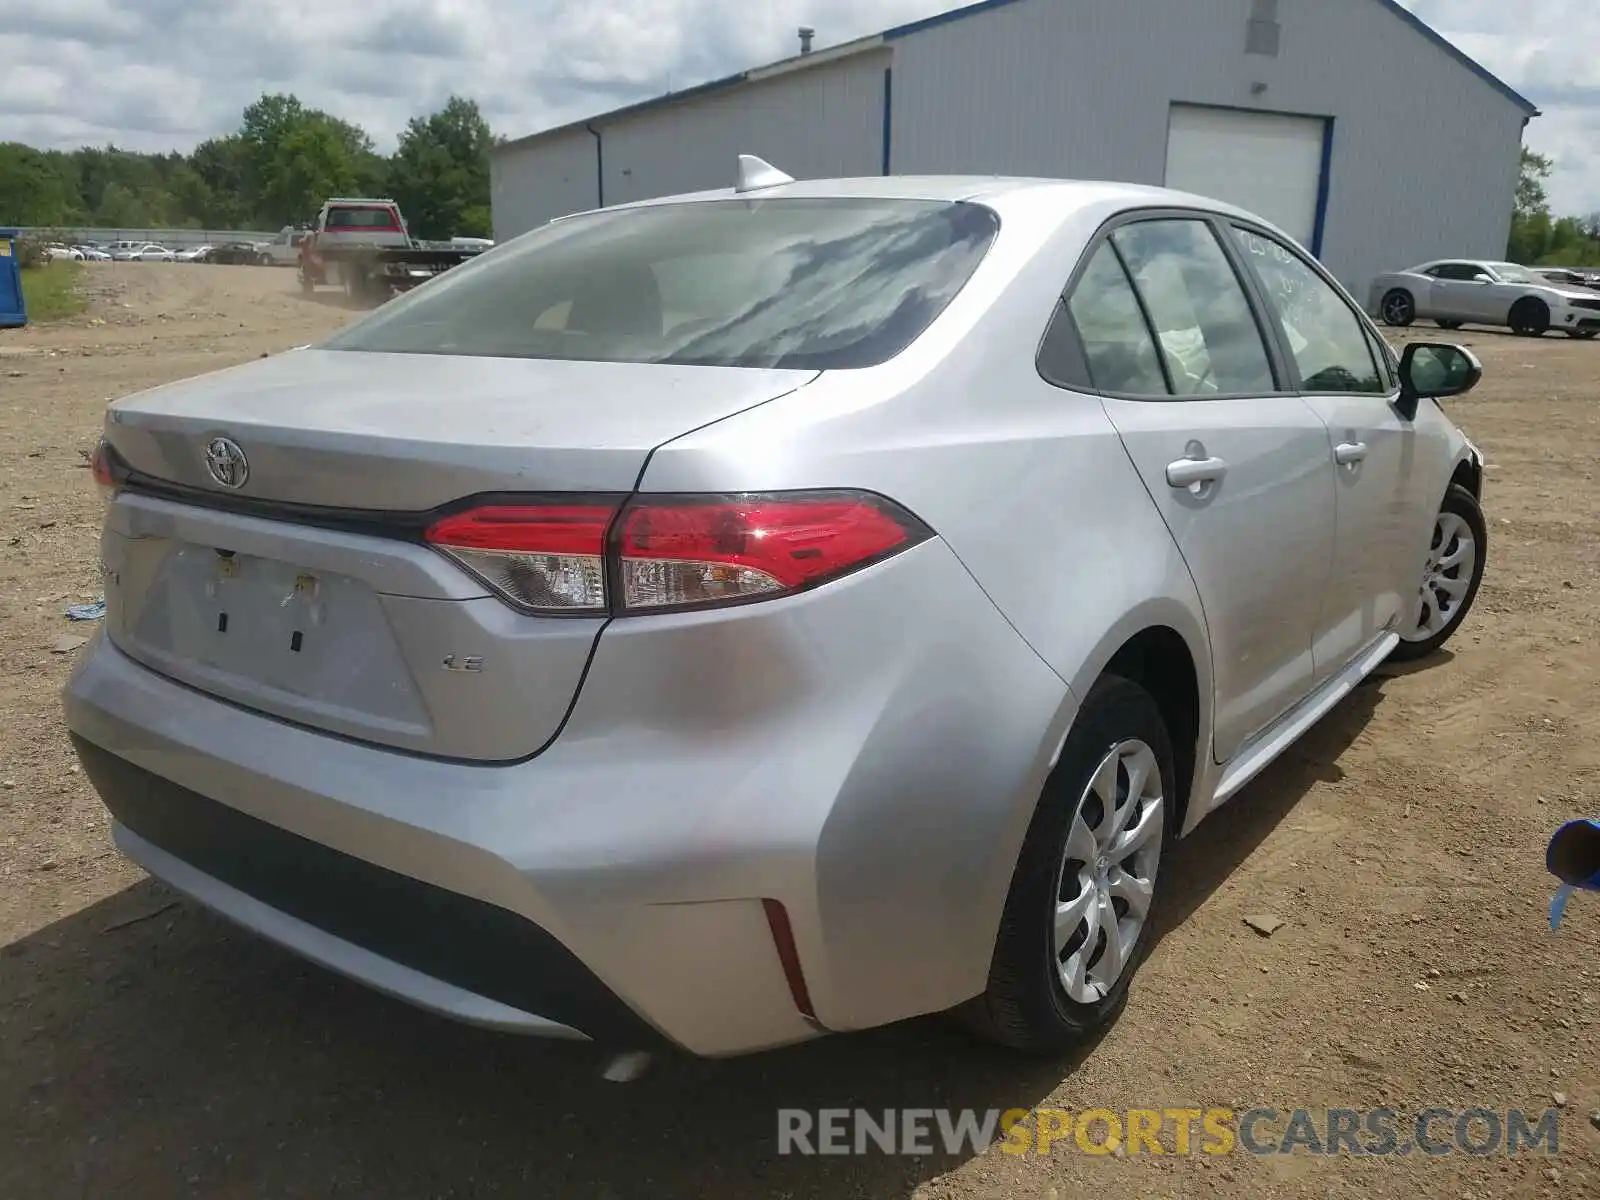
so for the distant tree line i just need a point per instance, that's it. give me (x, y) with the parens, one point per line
(276, 170)
(1540, 239)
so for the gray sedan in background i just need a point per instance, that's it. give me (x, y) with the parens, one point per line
(1459, 291)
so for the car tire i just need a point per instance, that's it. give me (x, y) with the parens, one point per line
(1530, 317)
(1583, 335)
(1398, 308)
(263, 260)
(1446, 592)
(1451, 325)
(1030, 1004)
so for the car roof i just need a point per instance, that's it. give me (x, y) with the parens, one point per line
(990, 189)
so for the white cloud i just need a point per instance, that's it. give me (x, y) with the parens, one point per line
(164, 74)
(1550, 58)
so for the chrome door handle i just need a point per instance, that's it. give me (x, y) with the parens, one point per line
(1187, 472)
(1346, 453)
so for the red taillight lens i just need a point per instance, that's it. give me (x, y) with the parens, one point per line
(672, 552)
(543, 558)
(678, 552)
(100, 467)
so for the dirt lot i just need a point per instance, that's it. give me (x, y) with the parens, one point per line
(147, 1049)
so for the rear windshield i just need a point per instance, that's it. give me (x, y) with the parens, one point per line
(819, 284)
(360, 218)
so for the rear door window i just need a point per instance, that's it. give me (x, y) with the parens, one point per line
(1203, 324)
(1121, 354)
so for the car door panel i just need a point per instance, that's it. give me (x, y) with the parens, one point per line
(1237, 469)
(1445, 299)
(1257, 538)
(1372, 451)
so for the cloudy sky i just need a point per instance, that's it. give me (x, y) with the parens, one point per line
(163, 74)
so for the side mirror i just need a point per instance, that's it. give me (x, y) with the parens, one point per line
(1480, 277)
(1433, 370)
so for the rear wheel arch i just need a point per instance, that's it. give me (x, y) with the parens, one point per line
(1159, 660)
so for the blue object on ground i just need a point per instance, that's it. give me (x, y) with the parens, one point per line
(12, 310)
(1573, 858)
(87, 612)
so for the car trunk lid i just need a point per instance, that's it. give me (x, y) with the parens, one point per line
(306, 592)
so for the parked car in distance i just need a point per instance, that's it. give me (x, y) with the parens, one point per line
(486, 652)
(233, 252)
(1570, 276)
(94, 254)
(144, 252)
(1457, 292)
(192, 254)
(56, 252)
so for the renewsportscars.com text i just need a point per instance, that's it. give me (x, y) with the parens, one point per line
(1381, 1132)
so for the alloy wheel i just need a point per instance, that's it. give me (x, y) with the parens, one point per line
(1446, 576)
(1108, 871)
(1397, 309)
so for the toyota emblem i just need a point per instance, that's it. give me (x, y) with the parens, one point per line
(227, 463)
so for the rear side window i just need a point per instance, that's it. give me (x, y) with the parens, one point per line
(1116, 341)
(819, 284)
(1207, 334)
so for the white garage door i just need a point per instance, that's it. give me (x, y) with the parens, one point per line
(1265, 162)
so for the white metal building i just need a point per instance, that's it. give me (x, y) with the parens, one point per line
(1349, 123)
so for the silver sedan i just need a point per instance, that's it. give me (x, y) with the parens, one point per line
(1456, 292)
(727, 619)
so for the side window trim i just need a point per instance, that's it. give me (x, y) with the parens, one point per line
(1285, 371)
(1144, 311)
(1282, 366)
(1362, 321)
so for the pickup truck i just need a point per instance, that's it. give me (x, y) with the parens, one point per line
(362, 244)
(283, 250)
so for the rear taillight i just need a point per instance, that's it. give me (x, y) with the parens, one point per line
(543, 558)
(100, 467)
(669, 553)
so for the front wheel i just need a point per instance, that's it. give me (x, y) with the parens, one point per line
(1530, 317)
(1077, 918)
(1451, 574)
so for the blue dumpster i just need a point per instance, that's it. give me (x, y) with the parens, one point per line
(12, 311)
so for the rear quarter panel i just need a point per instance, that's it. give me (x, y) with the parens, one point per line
(1028, 484)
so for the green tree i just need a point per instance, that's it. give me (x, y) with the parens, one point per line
(1531, 226)
(35, 187)
(440, 171)
(1533, 197)
(313, 161)
(121, 208)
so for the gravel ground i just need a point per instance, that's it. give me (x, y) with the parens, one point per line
(147, 1049)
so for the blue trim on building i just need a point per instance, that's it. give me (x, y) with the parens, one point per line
(944, 18)
(888, 117)
(599, 166)
(1472, 64)
(1324, 183)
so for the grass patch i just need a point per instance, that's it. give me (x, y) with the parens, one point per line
(51, 292)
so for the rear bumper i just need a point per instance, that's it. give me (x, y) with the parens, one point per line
(389, 930)
(868, 755)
